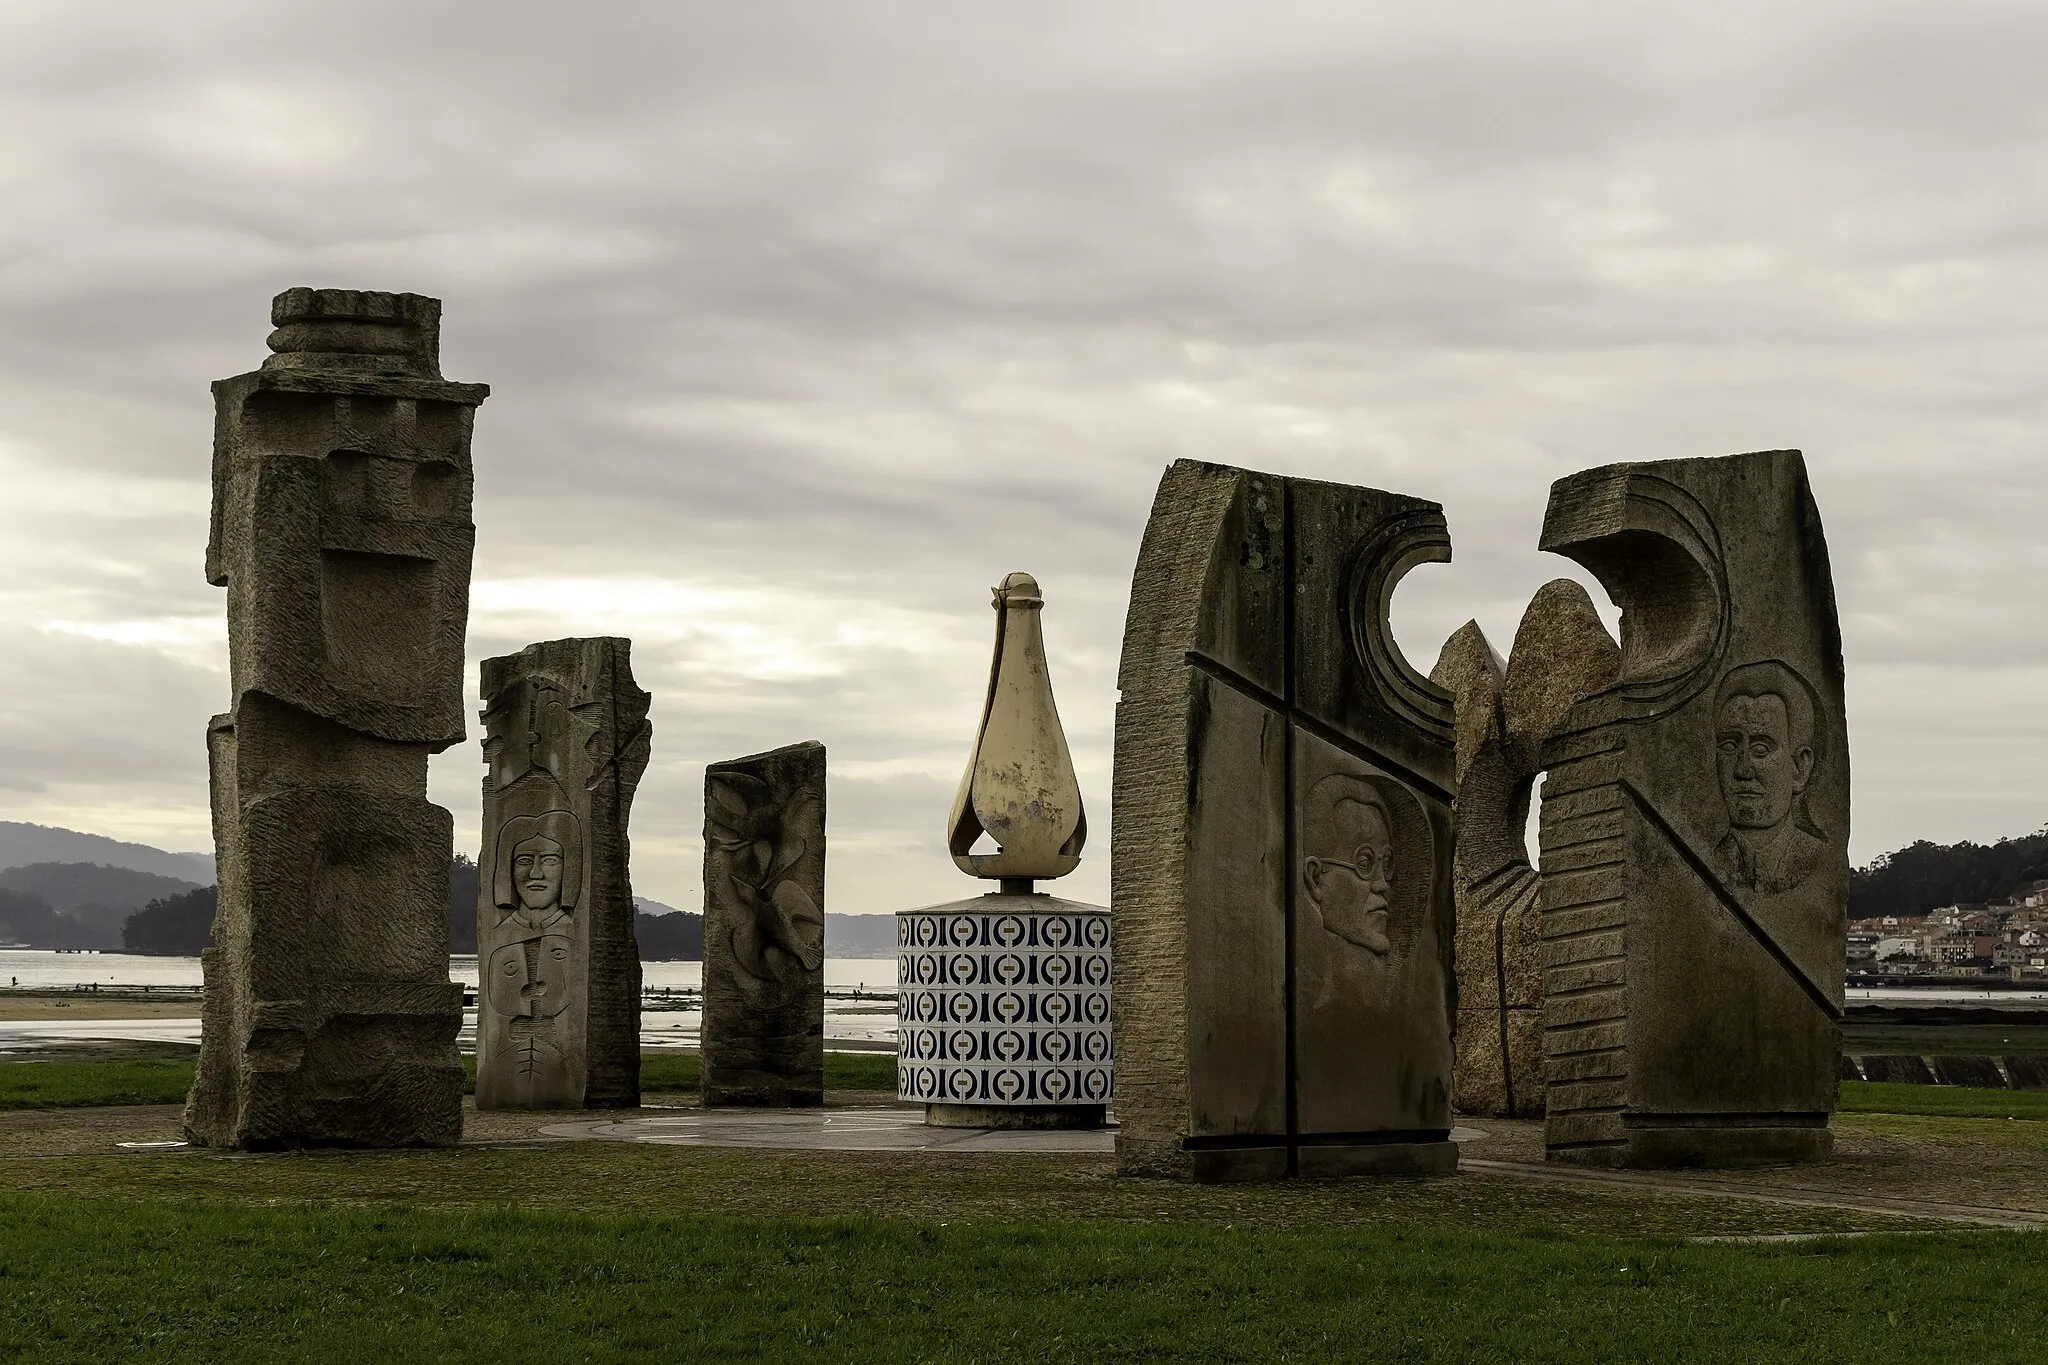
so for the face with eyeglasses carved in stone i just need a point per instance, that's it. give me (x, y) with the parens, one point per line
(1349, 868)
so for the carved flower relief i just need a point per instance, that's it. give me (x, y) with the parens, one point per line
(779, 931)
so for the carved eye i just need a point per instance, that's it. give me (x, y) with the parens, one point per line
(510, 968)
(1730, 743)
(1762, 748)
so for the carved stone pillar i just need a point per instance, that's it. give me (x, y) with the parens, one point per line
(1695, 824)
(764, 928)
(558, 1004)
(1281, 876)
(1504, 712)
(341, 530)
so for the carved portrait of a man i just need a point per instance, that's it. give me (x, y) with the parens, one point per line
(539, 871)
(1766, 753)
(1347, 838)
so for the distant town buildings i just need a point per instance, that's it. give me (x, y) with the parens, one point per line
(2006, 941)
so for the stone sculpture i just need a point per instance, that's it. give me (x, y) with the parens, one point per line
(566, 739)
(764, 928)
(341, 530)
(1003, 1014)
(1504, 712)
(1281, 874)
(1695, 824)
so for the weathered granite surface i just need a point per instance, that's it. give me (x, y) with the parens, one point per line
(1695, 824)
(1280, 885)
(566, 740)
(341, 530)
(1504, 712)
(764, 928)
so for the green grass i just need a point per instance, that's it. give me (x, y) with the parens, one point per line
(1945, 1040)
(1956, 1101)
(620, 1179)
(69, 1085)
(94, 1280)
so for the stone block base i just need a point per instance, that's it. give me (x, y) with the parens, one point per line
(761, 1097)
(1319, 1161)
(1015, 1116)
(1252, 1161)
(1648, 1146)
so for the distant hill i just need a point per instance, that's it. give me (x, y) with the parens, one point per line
(677, 936)
(666, 936)
(1924, 876)
(175, 926)
(87, 903)
(22, 843)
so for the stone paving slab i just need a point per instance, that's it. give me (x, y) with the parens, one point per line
(898, 1129)
(843, 1130)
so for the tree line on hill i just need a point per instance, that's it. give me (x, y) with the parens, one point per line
(86, 905)
(180, 926)
(1924, 876)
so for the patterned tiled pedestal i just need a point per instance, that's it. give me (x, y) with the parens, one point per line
(1003, 1020)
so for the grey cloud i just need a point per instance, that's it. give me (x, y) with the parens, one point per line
(871, 304)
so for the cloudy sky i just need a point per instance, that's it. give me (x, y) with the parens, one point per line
(807, 322)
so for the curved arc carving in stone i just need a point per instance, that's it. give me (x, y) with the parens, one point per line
(1658, 554)
(1377, 566)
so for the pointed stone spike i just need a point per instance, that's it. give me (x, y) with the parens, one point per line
(1562, 653)
(1471, 670)
(1019, 786)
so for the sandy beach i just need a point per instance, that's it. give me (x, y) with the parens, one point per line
(43, 1007)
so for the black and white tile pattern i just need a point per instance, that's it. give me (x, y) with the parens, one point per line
(1004, 1006)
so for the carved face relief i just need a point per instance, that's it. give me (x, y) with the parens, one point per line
(1762, 774)
(537, 866)
(1765, 758)
(1350, 861)
(537, 872)
(530, 979)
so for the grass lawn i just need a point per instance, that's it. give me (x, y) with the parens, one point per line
(68, 1085)
(613, 1251)
(1956, 1101)
(1949, 1040)
(95, 1280)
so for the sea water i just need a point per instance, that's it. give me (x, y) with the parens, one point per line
(860, 1004)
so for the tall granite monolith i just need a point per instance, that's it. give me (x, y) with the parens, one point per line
(1695, 824)
(1504, 712)
(764, 928)
(566, 739)
(1281, 865)
(341, 530)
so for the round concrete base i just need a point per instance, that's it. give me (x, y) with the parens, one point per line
(1015, 1116)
